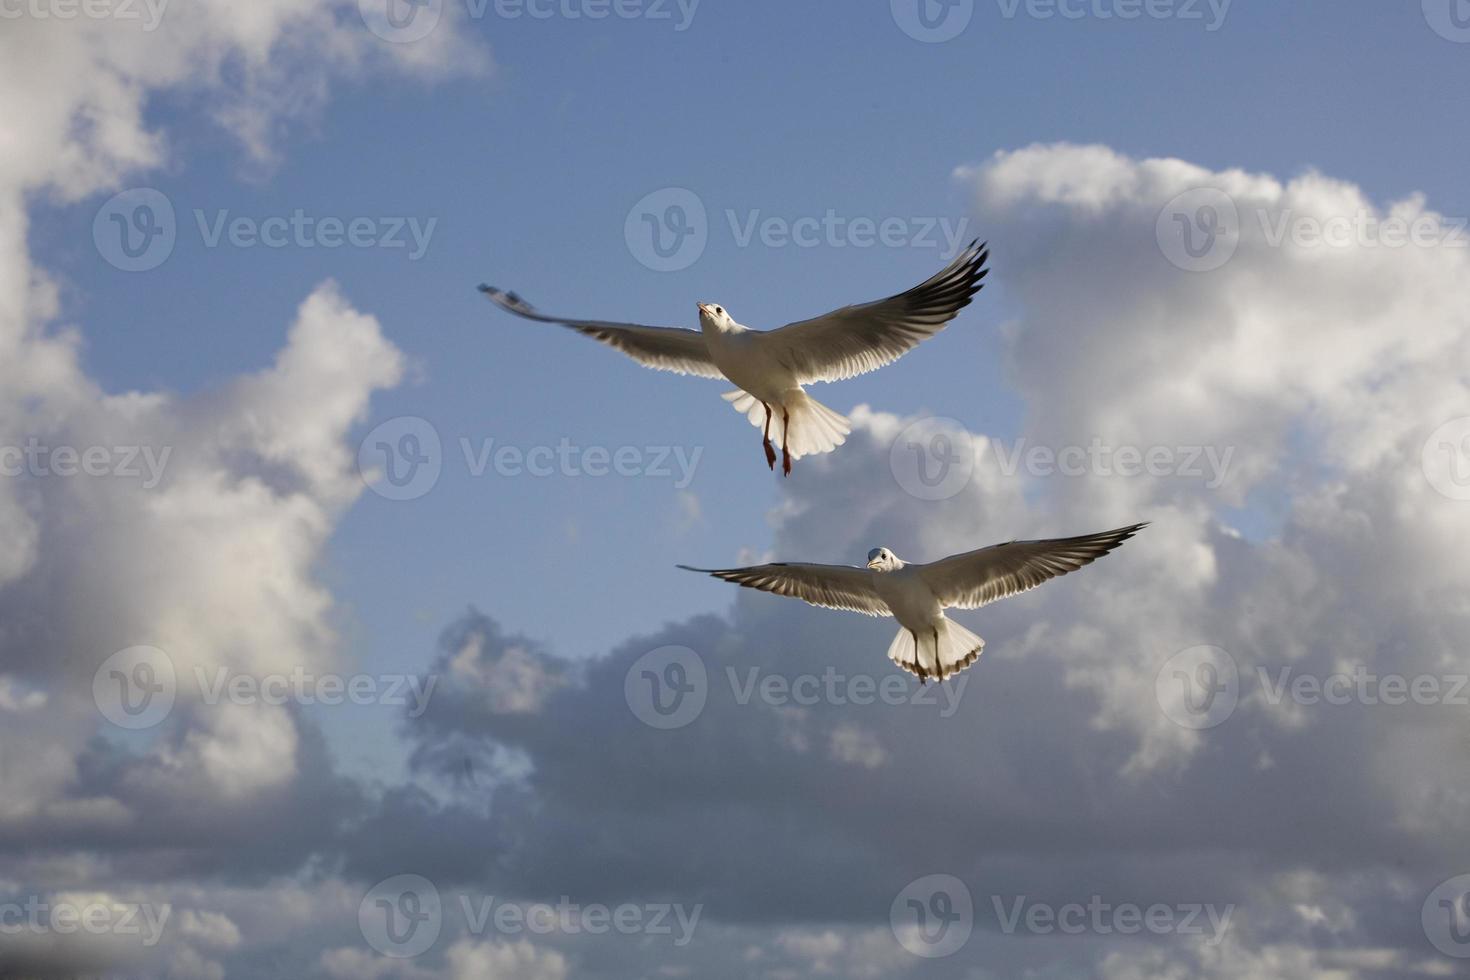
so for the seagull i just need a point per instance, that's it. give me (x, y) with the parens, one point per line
(929, 645)
(769, 367)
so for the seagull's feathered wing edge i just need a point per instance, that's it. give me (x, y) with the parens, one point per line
(663, 348)
(834, 586)
(975, 578)
(857, 339)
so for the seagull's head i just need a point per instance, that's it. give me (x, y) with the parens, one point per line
(714, 315)
(883, 560)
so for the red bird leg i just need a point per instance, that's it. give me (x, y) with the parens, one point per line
(766, 440)
(785, 438)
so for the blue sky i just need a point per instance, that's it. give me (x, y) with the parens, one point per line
(526, 175)
(786, 112)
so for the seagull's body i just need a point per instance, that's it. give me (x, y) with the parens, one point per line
(769, 367)
(930, 644)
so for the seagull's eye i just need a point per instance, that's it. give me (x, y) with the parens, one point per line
(720, 310)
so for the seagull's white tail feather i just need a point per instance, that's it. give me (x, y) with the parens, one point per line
(957, 648)
(815, 428)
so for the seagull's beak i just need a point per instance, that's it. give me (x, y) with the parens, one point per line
(703, 308)
(873, 564)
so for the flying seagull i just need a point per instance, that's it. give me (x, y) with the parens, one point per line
(929, 644)
(769, 367)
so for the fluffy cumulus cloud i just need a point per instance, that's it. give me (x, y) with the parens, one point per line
(1138, 737)
(192, 527)
(1135, 758)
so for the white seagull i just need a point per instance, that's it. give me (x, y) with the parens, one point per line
(929, 644)
(770, 366)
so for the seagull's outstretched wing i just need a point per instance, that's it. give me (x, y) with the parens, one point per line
(664, 348)
(857, 339)
(975, 578)
(833, 586)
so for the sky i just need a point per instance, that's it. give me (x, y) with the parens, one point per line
(239, 247)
